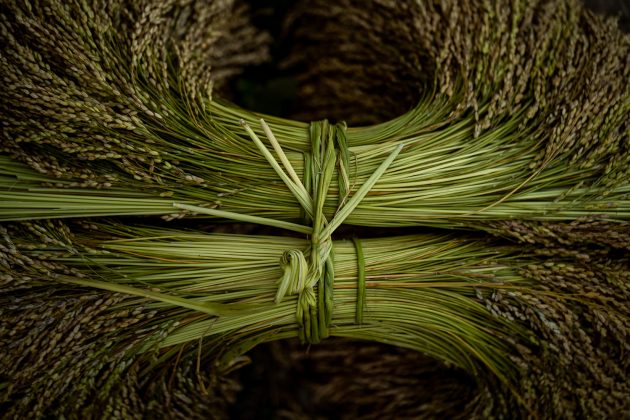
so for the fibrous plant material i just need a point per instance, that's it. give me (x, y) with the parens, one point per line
(595, 256)
(91, 81)
(577, 261)
(513, 122)
(238, 291)
(80, 75)
(82, 353)
(369, 61)
(521, 320)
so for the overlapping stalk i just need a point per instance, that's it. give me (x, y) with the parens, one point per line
(74, 352)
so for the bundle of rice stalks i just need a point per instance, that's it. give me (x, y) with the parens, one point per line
(80, 73)
(522, 321)
(368, 62)
(576, 371)
(514, 121)
(108, 110)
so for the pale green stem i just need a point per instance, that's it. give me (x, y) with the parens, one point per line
(354, 201)
(301, 195)
(246, 218)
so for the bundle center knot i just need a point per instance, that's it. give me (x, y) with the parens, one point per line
(311, 276)
(309, 273)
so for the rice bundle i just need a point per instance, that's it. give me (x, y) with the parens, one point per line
(110, 110)
(514, 122)
(563, 373)
(520, 320)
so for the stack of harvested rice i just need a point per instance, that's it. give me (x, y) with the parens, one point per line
(506, 126)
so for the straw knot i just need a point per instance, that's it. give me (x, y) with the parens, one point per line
(312, 279)
(301, 277)
(314, 283)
